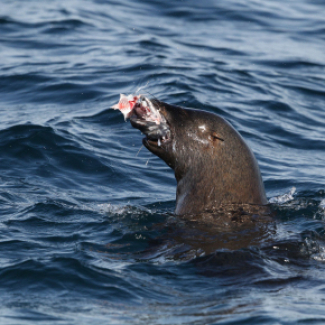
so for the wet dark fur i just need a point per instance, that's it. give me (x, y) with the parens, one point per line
(213, 165)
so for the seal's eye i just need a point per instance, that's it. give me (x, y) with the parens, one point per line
(216, 136)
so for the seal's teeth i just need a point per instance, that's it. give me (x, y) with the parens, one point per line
(159, 143)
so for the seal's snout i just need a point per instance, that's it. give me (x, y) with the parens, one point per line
(147, 118)
(155, 134)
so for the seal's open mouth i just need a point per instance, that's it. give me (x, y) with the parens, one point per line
(145, 115)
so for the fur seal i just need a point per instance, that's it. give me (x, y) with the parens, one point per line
(214, 168)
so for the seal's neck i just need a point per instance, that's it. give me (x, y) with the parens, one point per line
(230, 182)
(195, 195)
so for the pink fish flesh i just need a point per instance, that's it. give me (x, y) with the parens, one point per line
(144, 106)
(126, 104)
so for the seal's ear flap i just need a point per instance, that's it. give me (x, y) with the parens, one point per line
(216, 136)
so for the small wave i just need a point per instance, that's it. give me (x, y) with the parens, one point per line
(320, 256)
(322, 204)
(64, 26)
(118, 209)
(284, 198)
(107, 208)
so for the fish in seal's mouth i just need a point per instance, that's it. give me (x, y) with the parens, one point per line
(145, 115)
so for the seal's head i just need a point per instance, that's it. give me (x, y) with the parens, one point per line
(175, 130)
(213, 165)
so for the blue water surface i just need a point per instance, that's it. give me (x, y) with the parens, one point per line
(87, 230)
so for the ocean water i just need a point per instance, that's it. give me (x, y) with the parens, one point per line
(87, 231)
